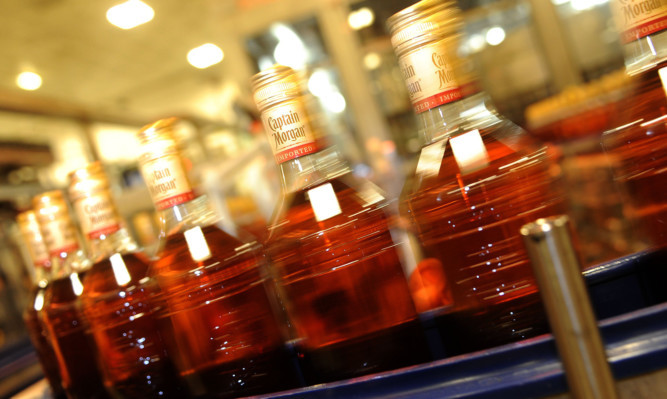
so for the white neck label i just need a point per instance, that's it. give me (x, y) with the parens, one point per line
(429, 77)
(167, 182)
(96, 215)
(289, 132)
(639, 18)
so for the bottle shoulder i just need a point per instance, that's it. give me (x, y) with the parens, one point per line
(344, 204)
(203, 250)
(114, 274)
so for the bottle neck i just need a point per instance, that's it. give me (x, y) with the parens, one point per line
(74, 260)
(185, 216)
(104, 246)
(313, 169)
(645, 53)
(42, 275)
(475, 111)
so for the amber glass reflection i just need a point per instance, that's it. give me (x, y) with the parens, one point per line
(117, 305)
(344, 287)
(71, 341)
(477, 274)
(38, 337)
(640, 146)
(218, 321)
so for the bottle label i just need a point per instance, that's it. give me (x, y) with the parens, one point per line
(96, 215)
(429, 77)
(59, 236)
(639, 18)
(36, 246)
(167, 182)
(289, 133)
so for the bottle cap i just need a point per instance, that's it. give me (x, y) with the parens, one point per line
(50, 205)
(157, 139)
(87, 180)
(273, 85)
(424, 22)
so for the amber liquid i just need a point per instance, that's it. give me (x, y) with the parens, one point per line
(218, 321)
(43, 349)
(641, 148)
(344, 288)
(132, 354)
(476, 274)
(71, 342)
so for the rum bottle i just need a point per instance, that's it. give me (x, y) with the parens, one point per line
(478, 179)
(338, 269)
(639, 143)
(65, 323)
(39, 255)
(217, 319)
(117, 296)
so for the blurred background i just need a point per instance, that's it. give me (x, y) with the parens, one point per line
(77, 80)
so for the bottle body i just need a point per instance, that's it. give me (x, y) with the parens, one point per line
(342, 283)
(478, 179)
(39, 338)
(217, 319)
(216, 316)
(475, 274)
(119, 310)
(70, 339)
(639, 148)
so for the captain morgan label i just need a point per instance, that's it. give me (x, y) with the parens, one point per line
(59, 236)
(289, 132)
(167, 182)
(96, 215)
(635, 19)
(429, 77)
(36, 245)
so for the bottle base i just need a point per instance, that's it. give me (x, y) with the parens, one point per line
(469, 331)
(265, 373)
(399, 346)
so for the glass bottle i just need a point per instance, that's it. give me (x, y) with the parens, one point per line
(39, 255)
(117, 296)
(65, 323)
(337, 266)
(639, 143)
(218, 319)
(478, 179)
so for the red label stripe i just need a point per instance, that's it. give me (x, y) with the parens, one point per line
(175, 200)
(644, 29)
(437, 100)
(295, 152)
(69, 248)
(104, 231)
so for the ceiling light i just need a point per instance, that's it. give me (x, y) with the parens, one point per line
(29, 81)
(205, 55)
(372, 61)
(495, 35)
(130, 14)
(361, 18)
(320, 83)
